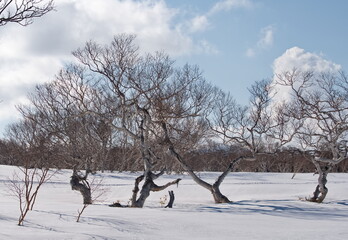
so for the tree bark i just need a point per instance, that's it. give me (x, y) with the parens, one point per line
(171, 200)
(79, 183)
(149, 186)
(321, 190)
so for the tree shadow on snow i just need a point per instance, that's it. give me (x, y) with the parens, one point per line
(285, 208)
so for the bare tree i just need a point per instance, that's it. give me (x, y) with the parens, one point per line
(320, 100)
(25, 187)
(33, 170)
(23, 12)
(127, 82)
(58, 107)
(260, 127)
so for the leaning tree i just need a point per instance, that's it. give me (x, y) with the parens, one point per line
(320, 100)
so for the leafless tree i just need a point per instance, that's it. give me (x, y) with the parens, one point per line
(25, 186)
(33, 171)
(320, 100)
(127, 82)
(260, 127)
(57, 107)
(23, 12)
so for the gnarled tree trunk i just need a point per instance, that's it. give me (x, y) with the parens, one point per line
(149, 186)
(149, 176)
(80, 183)
(321, 190)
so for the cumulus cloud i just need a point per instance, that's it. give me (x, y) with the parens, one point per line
(265, 41)
(33, 54)
(298, 58)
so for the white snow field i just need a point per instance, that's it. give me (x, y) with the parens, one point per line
(266, 206)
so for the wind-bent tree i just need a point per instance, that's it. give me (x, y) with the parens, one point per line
(180, 117)
(320, 100)
(23, 12)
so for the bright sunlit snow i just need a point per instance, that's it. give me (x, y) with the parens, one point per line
(266, 206)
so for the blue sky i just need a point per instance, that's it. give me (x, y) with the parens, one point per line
(316, 26)
(235, 42)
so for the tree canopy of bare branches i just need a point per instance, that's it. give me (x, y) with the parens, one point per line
(23, 12)
(261, 126)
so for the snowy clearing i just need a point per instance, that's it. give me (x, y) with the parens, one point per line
(266, 206)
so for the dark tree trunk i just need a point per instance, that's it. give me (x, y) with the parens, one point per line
(171, 200)
(149, 186)
(80, 183)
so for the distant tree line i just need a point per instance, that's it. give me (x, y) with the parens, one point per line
(208, 158)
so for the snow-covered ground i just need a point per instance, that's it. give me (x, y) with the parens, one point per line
(266, 206)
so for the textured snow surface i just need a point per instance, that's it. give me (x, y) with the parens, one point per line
(266, 206)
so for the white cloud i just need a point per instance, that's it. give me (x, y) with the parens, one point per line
(206, 47)
(227, 5)
(33, 54)
(298, 58)
(265, 41)
(199, 23)
(202, 22)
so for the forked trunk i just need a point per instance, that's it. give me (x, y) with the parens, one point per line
(215, 188)
(149, 186)
(218, 196)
